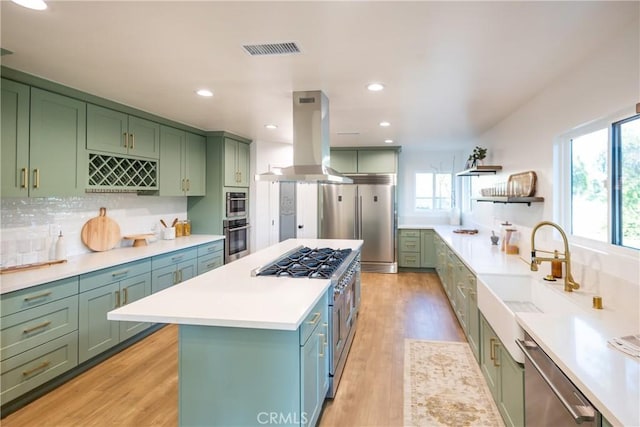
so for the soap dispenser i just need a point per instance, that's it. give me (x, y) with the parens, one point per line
(556, 266)
(61, 248)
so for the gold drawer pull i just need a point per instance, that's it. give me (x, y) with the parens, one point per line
(42, 295)
(126, 140)
(119, 273)
(36, 178)
(322, 343)
(315, 319)
(211, 265)
(117, 298)
(133, 141)
(35, 328)
(126, 296)
(40, 367)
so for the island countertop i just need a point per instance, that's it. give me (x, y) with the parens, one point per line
(230, 297)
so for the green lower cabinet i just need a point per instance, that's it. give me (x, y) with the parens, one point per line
(97, 333)
(473, 320)
(173, 268)
(416, 248)
(504, 376)
(427, 249)
(253, 377)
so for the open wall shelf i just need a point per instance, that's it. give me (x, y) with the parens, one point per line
(527, 200)
(480, 170)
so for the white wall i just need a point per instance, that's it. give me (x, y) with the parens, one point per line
(602, 84)
(29, 220)
(264, 195)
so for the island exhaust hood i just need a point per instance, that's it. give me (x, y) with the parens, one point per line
(310, 143)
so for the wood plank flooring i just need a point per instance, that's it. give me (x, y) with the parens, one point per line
(139, 386)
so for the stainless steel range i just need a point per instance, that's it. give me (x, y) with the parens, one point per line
(342, 266)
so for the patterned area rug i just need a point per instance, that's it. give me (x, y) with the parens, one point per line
(443, 386)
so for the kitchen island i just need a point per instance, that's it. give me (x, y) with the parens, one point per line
(251, 349)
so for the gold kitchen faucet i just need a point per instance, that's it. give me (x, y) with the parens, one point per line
(569, 284)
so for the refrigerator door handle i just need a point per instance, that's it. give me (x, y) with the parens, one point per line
(356, 219)
(360, 218)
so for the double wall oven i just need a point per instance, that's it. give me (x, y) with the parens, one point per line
(342, 267)
(236, 226)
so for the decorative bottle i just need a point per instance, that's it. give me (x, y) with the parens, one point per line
(61, 248)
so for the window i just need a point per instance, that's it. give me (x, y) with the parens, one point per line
(605, 182)
(433, 191)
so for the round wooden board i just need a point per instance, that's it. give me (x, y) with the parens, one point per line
(100, 233)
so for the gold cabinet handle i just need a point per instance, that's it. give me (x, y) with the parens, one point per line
(32, 297)
(315, 319)
(117, 298)
(133, 141)
(36, 178)
(119, 273)
(24, 179)
(40, 367)
(188, 184)
(126, 140)
(321, 351)
(211, 265)
(177, 258)
(182, 185)
(180, 272)
(175, 277)
(495, 345)
(36, 327)
(492, 342)
(125, 296)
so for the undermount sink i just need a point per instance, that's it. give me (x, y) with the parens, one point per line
(500, 296)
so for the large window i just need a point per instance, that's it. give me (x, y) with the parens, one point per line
(605, 183)
(433, 191)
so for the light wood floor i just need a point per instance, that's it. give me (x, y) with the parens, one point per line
(139, 386)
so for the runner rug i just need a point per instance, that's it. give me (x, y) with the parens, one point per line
(443, 386)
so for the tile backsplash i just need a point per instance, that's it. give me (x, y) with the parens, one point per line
(28, 226)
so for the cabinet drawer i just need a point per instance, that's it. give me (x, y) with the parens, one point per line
(209, 263)
(29, 328)
(117, 273)
(409, 259)
(211, 248)
(409, 244)
(176, 257)
(38, 295)
(408, 233)
(32, 368)
(315, 317)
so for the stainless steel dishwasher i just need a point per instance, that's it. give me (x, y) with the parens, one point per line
(550, 398)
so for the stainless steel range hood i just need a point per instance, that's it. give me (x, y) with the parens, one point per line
(310, 143)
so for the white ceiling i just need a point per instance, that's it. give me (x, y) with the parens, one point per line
(452, 69)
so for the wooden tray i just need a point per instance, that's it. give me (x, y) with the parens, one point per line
(522, 184)
(33, 266)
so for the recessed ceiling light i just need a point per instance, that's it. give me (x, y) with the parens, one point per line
(375, 87)
(204, 92)
(385, 124)
(32, 4)
(271, 126)
(388, 141)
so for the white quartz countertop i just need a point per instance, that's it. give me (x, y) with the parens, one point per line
(576, 342)
(229, 296)
(86, 263)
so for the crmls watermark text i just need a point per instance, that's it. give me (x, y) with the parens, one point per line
(277, 418)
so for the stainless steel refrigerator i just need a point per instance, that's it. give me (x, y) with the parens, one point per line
(363, 210)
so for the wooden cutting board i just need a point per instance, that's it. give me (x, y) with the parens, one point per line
(100, 233)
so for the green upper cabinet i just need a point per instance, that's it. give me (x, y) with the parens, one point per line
(182, 163)
(365, 160)
(344, 161)
(236, 163)
(114, 132)
(56, 146)
(377, 161)
(15, 139)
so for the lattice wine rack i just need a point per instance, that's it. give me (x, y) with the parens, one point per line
(110, 173)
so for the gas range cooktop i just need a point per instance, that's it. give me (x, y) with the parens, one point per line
(319, 263)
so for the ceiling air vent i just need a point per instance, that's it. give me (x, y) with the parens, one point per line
(271, 49)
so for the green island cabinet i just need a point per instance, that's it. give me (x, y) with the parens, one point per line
(416, 248)
(365, 160)
(44, 160)
(39, 336)
(112, 131)
(173, 268)
(100, 292)
(250, 377)
(504, 376)
(236, 163)
(183, 163)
